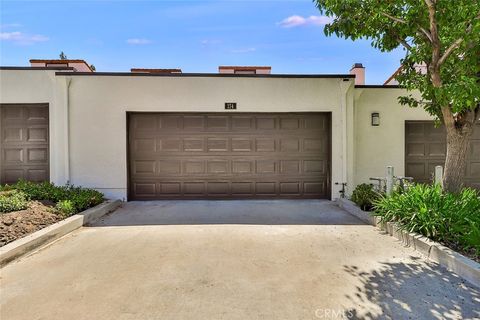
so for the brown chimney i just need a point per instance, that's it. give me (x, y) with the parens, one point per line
(78, 65)
(359, 71)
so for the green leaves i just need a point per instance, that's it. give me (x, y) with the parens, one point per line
(447, 217)
(69, 199)
(12, 200)
(364, 196)
(406, 23)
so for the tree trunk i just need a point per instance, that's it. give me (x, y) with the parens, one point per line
(456, 161)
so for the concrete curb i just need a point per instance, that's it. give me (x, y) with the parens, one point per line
(433, 251)
(18, 248)
(352, 208)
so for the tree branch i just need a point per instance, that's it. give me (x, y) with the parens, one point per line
(394, 18)
(457, 42)
(404, 43)
(422, 30)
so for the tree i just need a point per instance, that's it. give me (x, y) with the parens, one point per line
(62, 56)
(443, 36)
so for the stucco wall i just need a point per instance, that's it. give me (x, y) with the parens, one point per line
(95, 107)
(98, 107)
(41, 86)
(378, 147)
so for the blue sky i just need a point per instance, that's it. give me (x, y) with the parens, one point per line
(196, 36)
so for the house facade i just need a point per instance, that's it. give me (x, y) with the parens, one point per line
(230, 135)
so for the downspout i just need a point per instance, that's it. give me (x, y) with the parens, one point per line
(344, 86)
(67, 131)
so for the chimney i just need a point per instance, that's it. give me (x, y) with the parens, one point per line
(359, 71)
(75, 65)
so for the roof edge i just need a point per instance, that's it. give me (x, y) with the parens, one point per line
(213, 75)
(36, 68)
(377, 86)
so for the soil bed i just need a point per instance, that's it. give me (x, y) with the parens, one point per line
(17, 224)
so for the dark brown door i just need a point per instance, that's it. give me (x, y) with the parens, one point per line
(425, 148)
(215, 155)
(24, 142)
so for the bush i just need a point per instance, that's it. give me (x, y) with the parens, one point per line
(66, 207)
(69, 199)
(453, 219)
(12, 200)
(364, 196)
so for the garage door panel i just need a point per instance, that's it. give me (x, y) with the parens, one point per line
(194, 167)
(12, 175)
(24, 140)
(37, 155)
(425, 148)
(194, 145)
(193, 123)
(170, 144)
(242, 123)
(37, 174)
(266, 123)
(217, 123)
(242, 188)
(194, 188)
(474, 153)
(217, 144)
(242, 144)
(265, 145)
(289, 145)
(35, 114)
(231, 156)
(145, 122)
(218, 188)
(144, 146)
(242, 166)
(314, 188)
(473, 169)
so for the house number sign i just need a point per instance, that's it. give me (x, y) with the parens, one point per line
(230, 106)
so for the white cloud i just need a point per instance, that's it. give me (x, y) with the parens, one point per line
(10, 25)
(138, 41)
(296, 21)
(207, 42)
(22, 38)
(243, 50)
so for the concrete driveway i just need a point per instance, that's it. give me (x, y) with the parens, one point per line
(231, 260)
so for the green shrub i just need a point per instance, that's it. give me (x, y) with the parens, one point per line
(364, 196)
(441, 216)
(66, 207)
(12, 200)
(78, 198)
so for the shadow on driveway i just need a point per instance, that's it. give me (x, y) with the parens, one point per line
(412, 290)
(258, 212)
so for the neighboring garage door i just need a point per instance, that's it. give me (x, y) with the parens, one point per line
(425, 148)
(24, 142)
(202, 156)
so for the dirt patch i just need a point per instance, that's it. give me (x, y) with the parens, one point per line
(17, 224)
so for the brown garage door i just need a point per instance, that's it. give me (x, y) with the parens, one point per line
(425, 148)
(198, 156)
(24, 142)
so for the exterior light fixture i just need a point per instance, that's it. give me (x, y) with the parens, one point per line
(375, 119)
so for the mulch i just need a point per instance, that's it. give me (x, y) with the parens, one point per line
(18, 224)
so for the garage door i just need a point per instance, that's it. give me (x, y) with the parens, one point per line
(200, 156)
(24, 142)
(425, 148)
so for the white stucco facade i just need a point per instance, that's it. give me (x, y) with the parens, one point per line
(88, 117)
